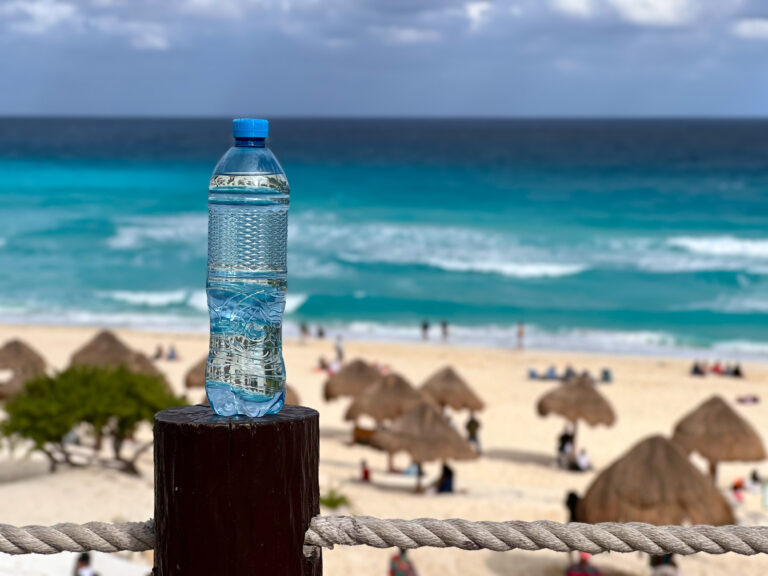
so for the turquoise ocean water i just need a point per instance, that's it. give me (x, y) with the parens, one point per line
(631, 236)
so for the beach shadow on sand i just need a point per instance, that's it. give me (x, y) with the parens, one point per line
(520, 457)
(344, 434)
(542, 564)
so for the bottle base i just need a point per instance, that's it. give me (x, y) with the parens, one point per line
(227, 401)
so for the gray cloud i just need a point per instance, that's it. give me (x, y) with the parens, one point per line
(348, 57)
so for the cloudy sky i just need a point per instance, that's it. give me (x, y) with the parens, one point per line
(384, 57)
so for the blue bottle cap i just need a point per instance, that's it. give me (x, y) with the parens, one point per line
(250, 128)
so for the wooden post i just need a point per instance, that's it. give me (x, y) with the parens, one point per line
(235, 495)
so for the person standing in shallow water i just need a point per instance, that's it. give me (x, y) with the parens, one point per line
(520, 335)
(339, 350)
(425, 330)
(444, 329)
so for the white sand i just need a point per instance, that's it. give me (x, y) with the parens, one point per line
(515, 479)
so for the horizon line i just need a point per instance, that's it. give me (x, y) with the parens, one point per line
(384, 117)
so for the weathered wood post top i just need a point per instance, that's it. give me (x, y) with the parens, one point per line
(235, 495)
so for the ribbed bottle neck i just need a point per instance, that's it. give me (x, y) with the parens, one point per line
(251, 142)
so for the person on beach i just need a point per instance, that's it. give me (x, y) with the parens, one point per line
(444, 484)
(83, 565)
(401, 565)
(304, 333)
(444, 329)
(737, 371)
(520, 335)
(551, 373)
(583, 567)
(320, 333)
(425, 330)
(473, 427)
(664, 565)
(172, 355)
(365, 472)
(339, 350)
(572, 503)
(158, 355)
(582, 462)
(565, 449)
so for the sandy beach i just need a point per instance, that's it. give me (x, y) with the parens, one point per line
(515, 479)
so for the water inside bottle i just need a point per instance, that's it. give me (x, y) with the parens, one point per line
(245, 373)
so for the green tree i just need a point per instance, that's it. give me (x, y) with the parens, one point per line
(112, 401)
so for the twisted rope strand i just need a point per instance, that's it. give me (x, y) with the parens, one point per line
(327, 531)
(93, 536)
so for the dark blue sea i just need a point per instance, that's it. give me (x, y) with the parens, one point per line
(631, 236)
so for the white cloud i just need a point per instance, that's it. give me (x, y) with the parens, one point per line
(655, 12)
(37, 16)
(141, 35)
(576, 8)
(751, 28)
(477, 14)
(405, 35)
(640, 12)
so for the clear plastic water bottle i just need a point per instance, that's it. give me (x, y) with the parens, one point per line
(247, 237)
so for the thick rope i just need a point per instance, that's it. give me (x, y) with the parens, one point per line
(326, 531)
(94, 536)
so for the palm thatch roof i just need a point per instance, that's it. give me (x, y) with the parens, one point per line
(195, 377)
(106, 350)
(654, 482)
(447, 388)
(719, 434)
(390, 397)
(291, 396)
(351, 380)
(425, 434)
(577, 400)
(23, 362)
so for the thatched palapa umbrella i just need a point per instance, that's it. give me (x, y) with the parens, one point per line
(654, 482)
(106, 350)
(575, 400)
(447, 388)
(23, 362)
(719, 434)
(291, 396)
(426, 435)
(351, 380)
(388, 398)
(195, 377)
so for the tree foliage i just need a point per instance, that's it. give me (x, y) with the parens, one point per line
(112, 401)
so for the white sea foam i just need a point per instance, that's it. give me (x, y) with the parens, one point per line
(722, 246)
(198, 300)
(136, 233)
(2, 242)
(152, 299)
(511, 269)
(448, 248)
(293, 302)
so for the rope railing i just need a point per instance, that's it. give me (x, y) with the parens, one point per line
(328, 531)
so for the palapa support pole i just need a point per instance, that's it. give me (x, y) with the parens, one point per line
(235, 495)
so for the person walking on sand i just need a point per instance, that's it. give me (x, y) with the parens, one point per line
(339, 350)
(83, 565)
(303, 333)
(473, 427)
(520, 335)
(401, 565)
(425, 330)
